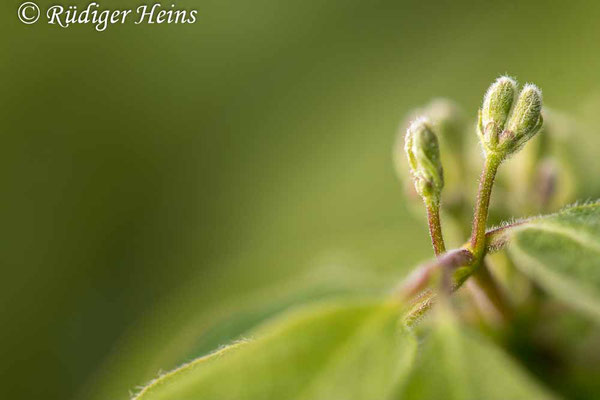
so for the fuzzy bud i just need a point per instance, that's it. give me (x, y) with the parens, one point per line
(497, 103)
(423, 152)
(504, 127)
(526, 119)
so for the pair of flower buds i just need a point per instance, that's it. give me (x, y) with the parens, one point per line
(506, 122)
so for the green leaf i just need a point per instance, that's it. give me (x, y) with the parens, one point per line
(195, 322)
(350, 351)
(233, 323)
(457, 364)
(561, 252)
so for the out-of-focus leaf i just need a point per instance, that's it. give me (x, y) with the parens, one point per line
(233, 325)
(339, 350)
(542, 177)
(561, 252)
(457, 364)
(190, 334)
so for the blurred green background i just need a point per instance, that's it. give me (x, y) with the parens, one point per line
(153, 173)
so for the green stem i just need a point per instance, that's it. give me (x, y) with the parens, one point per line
(418, 283)
(481, 276)
(416, 286)
(476, 250)
(483, 203)
(435, 227)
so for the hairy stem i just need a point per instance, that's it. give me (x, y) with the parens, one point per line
(483, 203)
(419, 282)
(421, 277)
(483, 283)
(471, 257)
(435, 227)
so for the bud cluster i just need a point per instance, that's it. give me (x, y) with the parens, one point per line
(507, 121)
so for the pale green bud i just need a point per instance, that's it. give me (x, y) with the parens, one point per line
(525, 121)
(423, 152)
(504, 127)
(448, 121)
(450, 124)
(497, 103)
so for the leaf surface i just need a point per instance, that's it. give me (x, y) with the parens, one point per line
(561, 252)
(455, 363)
(350, 351)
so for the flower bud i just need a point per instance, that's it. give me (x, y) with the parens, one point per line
(423, 152)
(497, 103)
(525, 121)
(449, 124)
(503, 126)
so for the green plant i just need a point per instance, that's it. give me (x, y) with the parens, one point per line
(421, 341)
